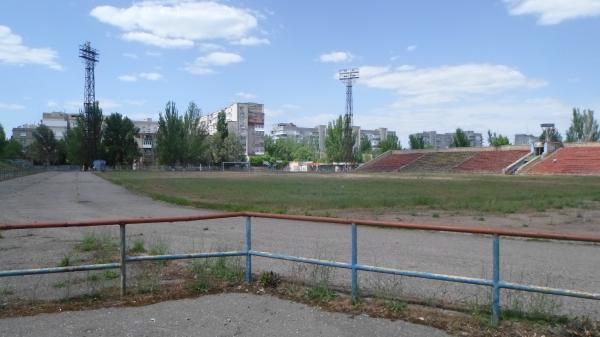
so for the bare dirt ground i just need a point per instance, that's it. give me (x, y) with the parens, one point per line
(74, 195)
(581, 221)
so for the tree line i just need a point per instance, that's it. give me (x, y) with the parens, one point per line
(183, 140)
(180, 140)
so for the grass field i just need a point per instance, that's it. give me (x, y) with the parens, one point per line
(321, 194)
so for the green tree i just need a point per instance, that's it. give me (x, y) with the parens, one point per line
(75, 143)
(169, 138)
(497, 140)
(13, 150)
(304, 152)
(44, 147)
(584, 128)
(228, 149)
(119, 140)
(416, 142)
(284, 148)
(194, 137)
(460, 139)
(365, 144)
(389, 143)
(553, 135)
(3, 141)
(269, 145)
(92, 130)
(222, 125)
(340, 140)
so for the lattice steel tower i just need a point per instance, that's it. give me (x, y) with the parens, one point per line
(347, 76)
(90, 57)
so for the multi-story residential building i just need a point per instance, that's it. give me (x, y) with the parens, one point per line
(59, 122)
(24, 134)
(246, 120)
(444, 140)
(376, 136)
(523, 139)
(146, 139)
(316, 135)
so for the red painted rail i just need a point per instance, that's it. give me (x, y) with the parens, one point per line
(343, 221)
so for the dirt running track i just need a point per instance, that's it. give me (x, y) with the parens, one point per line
(76, 196)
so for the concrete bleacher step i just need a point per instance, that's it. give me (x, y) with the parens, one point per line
(437, 162)
(583, 160)
(491, 161)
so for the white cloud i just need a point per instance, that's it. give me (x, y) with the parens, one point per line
(131, 56)
(11, 106)
(251, 41)
(552, 12)
(146, 76)
(207, 47)
(246, 95)
(336, 57)
(176, 24)
(51, 104)
(153, 54)
(12, 51)
(411, 48)
(203, 65)
(157, 41)
(422, 86)
(150, 76)
(127, 78)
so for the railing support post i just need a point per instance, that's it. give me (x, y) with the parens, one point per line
(123, 260)
(496, 282)
(354, 262)
(247, 249)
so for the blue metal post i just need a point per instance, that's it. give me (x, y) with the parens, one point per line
(496, 283)
(248, 248)
(354, 262)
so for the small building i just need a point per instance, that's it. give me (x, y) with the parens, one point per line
(524, 139)
(24, 134)
(59, 122)
(146, 139)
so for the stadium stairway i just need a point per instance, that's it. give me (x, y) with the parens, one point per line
(576, 160)
(491, 161)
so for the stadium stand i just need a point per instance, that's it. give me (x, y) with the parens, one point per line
(491, 161)
(437, 162)
(577, 160)
(391, 162)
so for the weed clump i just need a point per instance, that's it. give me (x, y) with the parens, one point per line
(269, 280)
(137, 247)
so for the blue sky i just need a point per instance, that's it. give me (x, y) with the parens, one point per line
(425, 65)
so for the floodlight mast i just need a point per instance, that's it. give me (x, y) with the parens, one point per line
(347, 76)
(90, 58)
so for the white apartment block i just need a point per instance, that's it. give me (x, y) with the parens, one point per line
(246, 120)
(59, 122)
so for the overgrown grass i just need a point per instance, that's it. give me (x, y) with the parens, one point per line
(324, 193)
(209, 273)
(137, 247)
(102, 246)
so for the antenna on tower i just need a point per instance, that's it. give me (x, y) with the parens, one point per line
(347, 76)
(90, 58)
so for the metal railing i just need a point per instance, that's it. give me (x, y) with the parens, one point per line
(496, 283)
